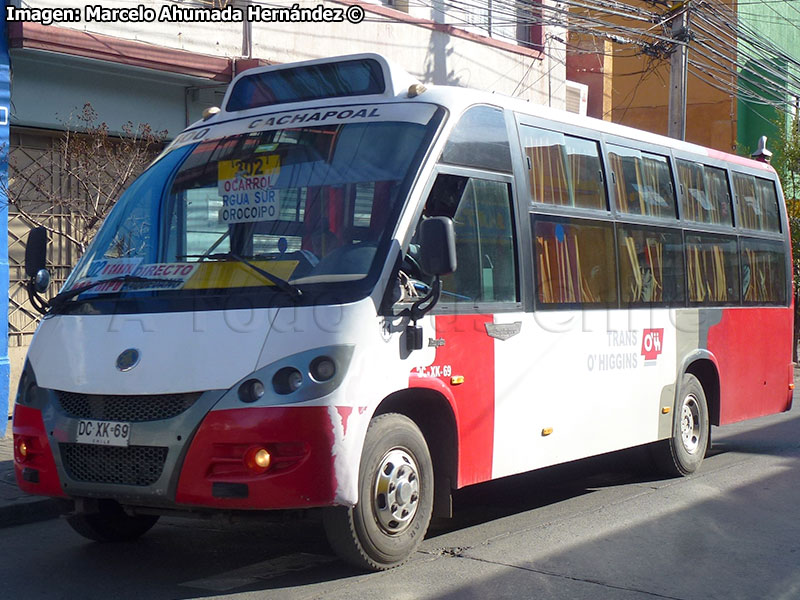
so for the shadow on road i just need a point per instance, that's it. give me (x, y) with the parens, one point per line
(184, 558)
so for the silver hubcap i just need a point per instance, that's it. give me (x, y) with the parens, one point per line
(690, 424)
(396, 496)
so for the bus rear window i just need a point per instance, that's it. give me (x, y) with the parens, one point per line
(311, 82)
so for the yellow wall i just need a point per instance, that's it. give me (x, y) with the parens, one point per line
(628, 87)
(640, 95)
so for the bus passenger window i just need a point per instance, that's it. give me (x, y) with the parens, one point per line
(563, 169)
(642, 182)
(757, 203)
(575, 262)
(479, 140)
(763, 272)
(712, 268)
(705, 197)
(650, 266)
(485, 249)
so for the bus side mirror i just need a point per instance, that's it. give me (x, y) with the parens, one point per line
(437, 240)
(36, 251)
(437, 257)
(35, 262)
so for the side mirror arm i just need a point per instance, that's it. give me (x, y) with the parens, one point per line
(40, 304)
(417, 311)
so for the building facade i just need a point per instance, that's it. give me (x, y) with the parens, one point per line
(771, 85)
(743, 70)
(627, 69)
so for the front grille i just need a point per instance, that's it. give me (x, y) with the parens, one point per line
(131, 465)
(131, 409)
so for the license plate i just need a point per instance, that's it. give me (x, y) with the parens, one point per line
(103, 433)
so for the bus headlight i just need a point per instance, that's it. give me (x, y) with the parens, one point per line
(251, 390)
(322, 369)
(287, 380)
(292, 379)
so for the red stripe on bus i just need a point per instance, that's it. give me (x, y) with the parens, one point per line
(739, 160)
(753, 347)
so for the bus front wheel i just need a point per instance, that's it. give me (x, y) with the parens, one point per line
(683, 452)
(110, 523)
(393, 512)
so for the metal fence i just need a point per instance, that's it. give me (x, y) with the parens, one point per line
(34, 171)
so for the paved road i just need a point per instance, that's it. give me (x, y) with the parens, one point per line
(598, 529)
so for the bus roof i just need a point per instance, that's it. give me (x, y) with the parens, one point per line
(371, 78)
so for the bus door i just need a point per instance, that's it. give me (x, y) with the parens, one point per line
(477, 300)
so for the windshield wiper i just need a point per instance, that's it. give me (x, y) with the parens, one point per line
(283, 285)
(63, 297)
(294, 291)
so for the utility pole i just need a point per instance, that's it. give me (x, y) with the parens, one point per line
(678, 70)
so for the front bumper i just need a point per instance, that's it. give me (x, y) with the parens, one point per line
(193, 460)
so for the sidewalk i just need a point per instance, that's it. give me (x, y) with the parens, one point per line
(17, 507)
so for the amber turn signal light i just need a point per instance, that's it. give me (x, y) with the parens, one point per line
(22, 450)
(258, 459)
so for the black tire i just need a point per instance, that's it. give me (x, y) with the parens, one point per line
(683, 452)
(111, 523)
(395, 485)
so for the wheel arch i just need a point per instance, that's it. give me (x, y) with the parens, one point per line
(434, 416)
(704, 367)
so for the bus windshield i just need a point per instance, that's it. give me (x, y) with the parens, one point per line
(272, 210)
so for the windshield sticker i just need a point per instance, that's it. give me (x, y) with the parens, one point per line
(246, 189)
(257, 166)
(215, 275)
(163, 276)
(112, 267)
(415, 112)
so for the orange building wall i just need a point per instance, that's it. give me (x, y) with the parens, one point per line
(628, 87)
(641, 99)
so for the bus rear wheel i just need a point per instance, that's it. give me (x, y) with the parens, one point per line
(393, 512)
(110, 523)
(683, 452)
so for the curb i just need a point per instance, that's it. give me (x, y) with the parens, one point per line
(17, 507)
(32, 511)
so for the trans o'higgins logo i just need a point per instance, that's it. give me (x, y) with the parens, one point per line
(651, 345)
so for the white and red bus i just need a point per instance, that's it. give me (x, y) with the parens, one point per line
(348, 292)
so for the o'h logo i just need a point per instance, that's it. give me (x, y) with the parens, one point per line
(652, 340)
(128, 359)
